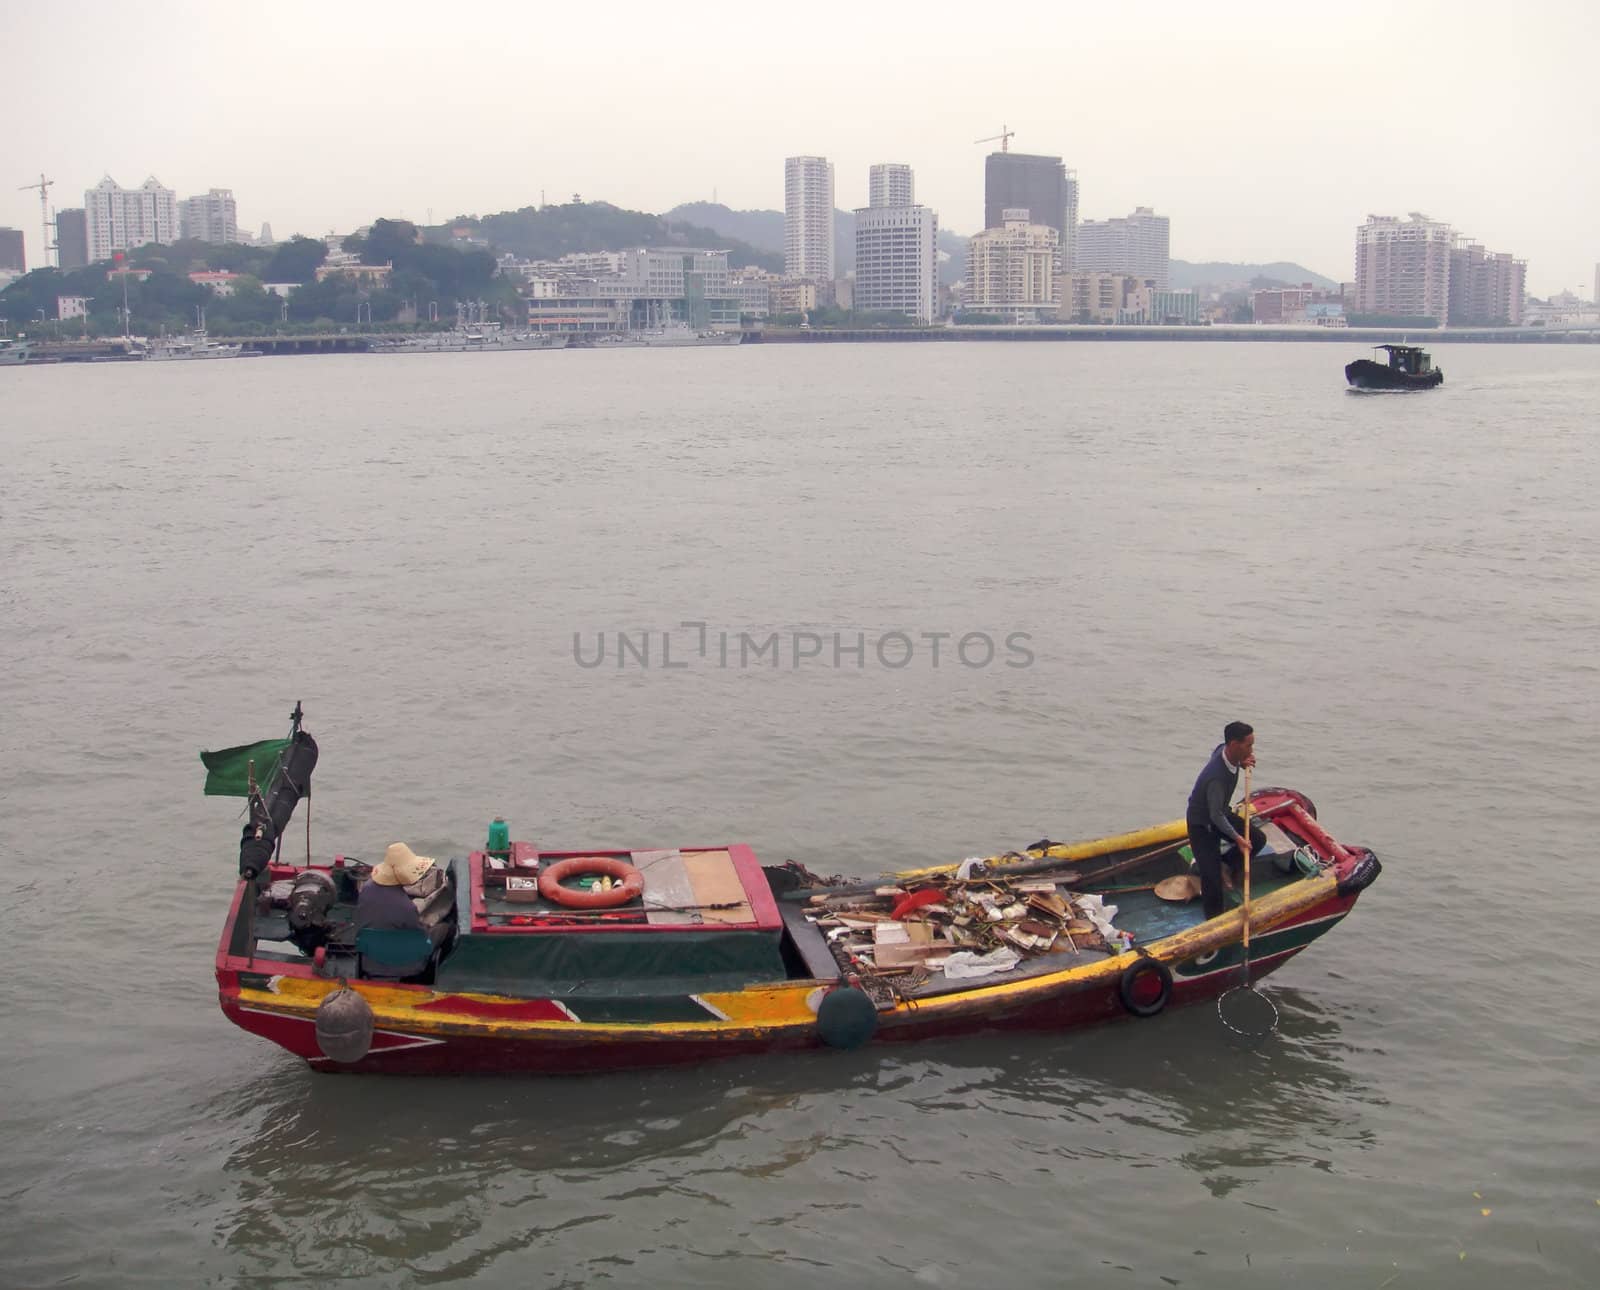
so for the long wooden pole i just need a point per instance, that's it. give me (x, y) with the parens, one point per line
(1244, 848)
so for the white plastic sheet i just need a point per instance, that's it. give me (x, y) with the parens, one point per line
(966, 964)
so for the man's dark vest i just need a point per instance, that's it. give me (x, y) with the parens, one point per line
(1215, 769)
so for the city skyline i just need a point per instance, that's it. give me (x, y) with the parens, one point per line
(1249, 167)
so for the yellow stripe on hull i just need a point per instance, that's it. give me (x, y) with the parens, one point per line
(1176, 831)
(773, 1011)
(759, 1009)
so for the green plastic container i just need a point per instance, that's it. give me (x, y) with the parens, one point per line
(499, 837)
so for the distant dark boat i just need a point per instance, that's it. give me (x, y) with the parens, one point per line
(1408, 368)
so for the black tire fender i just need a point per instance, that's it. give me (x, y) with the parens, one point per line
(1362, 874)
(1133, 975)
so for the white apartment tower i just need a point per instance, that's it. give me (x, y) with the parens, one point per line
(1138, 245)
(897, 248)
(891, 184)
(808, 218)
(1011, 269)
(210, 218)
(119, 219)
(1403, 267)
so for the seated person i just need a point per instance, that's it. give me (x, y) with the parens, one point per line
(385, 904)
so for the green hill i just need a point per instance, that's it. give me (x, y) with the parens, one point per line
(549, 232)
(1215, 273)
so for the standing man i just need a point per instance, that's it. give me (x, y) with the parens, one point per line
(1213, 827)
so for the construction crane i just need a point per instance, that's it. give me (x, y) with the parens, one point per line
(44, 214)
(1004, 136)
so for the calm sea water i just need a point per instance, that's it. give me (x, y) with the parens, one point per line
(1400, 591)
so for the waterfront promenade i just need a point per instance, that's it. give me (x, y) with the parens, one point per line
(340, 342)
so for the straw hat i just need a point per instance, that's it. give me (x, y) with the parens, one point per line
(1179, 887)
(400, 868)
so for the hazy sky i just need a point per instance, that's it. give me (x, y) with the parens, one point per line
(1266, 131)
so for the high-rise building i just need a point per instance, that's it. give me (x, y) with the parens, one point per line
(1011, 269)
(212, 217)
(1044, 187)
(13, 254)
(1403, 267)
(891, 184)
(120, 219)
(808, 218)
(72, 238)
(1137, 244)
(897, 249)
(1486, 287)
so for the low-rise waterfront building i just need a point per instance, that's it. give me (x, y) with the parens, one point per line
(1096, 296)
(1161, 307)
(793, 296)
(754, 286)
(371, 275)
(219, 282)
(642, 287)
(72, 307)
(1286, 306)
(576, 312)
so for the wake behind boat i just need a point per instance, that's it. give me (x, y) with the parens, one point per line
(574, 960)
(1408, 368)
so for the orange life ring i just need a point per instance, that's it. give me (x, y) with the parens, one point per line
(630, 880)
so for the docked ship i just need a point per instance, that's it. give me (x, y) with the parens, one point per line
(534, 959)
(1408, 368)
(16, 352)
(195, 345)
(667, 335)
(488, 338)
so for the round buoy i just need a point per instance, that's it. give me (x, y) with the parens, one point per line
(846, 1018)
(344, 1026)
(629, 882)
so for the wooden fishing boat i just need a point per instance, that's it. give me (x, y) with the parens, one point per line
(1408, 368)
(709, 953)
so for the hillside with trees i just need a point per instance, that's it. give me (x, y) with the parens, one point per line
(432, 273)
(549, 232)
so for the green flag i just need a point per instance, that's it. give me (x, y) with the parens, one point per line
(228, 769)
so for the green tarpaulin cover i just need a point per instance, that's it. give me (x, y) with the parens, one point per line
(227, 769)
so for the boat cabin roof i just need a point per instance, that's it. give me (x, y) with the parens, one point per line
(687, 890)
(1400, 349)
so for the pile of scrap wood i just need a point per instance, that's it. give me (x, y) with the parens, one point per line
(962, 927)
